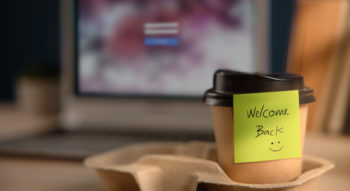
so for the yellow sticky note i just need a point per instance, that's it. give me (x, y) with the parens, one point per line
(266, 126)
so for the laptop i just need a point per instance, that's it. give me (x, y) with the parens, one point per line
(135, 71)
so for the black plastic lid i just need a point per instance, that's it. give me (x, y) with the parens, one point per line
(227, 82)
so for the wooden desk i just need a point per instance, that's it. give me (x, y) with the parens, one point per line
(17, 174)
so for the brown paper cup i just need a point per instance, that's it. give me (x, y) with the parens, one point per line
(227, 83)
(254, 172)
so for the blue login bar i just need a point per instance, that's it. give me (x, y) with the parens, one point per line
(161, 41)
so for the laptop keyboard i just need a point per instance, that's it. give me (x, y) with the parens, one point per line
(79, 145)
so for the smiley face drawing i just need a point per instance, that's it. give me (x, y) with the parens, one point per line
(275, 146)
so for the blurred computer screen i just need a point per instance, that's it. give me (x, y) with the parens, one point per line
(161, 48)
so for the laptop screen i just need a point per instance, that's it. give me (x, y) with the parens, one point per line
(160, 47)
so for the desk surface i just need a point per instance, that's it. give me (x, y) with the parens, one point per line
(17, 174)
(38, 174)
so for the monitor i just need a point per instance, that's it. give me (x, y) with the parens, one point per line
(130, 64)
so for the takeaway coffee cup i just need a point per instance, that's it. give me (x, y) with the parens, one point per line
(220, 98)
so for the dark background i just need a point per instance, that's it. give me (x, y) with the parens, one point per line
(32, 34)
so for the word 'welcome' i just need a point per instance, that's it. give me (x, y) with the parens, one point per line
(266, 113)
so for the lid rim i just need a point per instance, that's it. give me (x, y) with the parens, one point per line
(227, 83)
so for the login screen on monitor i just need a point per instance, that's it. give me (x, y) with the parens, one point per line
(160, 47)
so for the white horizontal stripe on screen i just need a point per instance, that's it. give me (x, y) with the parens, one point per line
(161, 25)
(161, 31)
